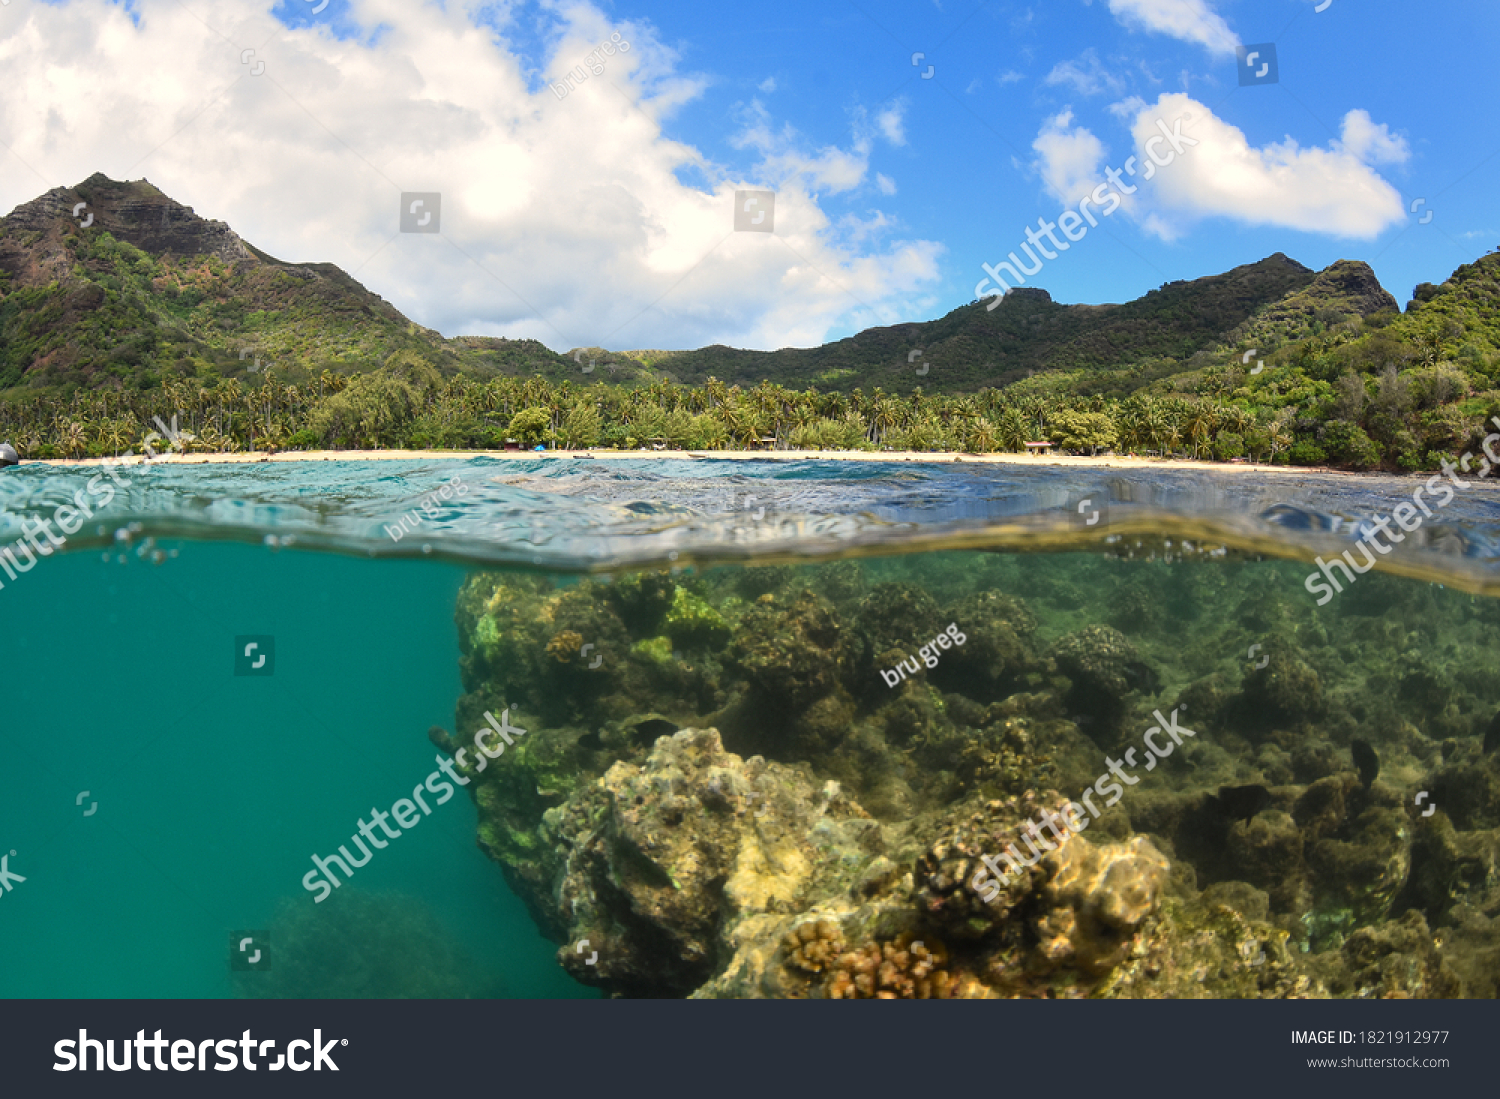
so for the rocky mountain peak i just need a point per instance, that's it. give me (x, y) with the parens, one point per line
(132, 211)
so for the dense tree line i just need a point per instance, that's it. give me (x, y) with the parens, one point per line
(1408, 419)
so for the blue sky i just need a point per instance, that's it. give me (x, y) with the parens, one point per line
(965, 176)
(604, 215)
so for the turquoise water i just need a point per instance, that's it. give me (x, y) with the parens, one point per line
(213, 790)
(156, 801)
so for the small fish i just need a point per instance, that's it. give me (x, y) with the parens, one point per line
(646, 731)
(1241, 802)
(1142, 677)
(1366, 760)
(1492, 738)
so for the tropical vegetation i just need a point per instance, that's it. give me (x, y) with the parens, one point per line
(195, 335)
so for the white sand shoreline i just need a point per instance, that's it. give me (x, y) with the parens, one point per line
(1055, 461)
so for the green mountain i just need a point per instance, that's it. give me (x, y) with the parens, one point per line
(1028, 333)
(150, 290)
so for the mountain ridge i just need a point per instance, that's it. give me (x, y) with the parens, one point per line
(151, 289)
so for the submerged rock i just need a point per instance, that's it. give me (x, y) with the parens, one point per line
(657, 864)
(1104, 668)
(793, 652)
(1095, 900)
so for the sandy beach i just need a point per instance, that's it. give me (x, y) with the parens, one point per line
(1109, 461)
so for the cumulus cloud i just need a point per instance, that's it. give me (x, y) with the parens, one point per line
(1070, 159)
(892, 123)
(564, 217)
(1214, 171)
(1316, 190)
(1374, 144)
(1189, 20)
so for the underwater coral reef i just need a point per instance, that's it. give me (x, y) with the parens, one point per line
(722, 791)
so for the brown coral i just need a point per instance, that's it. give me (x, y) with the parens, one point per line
(814, 946)
(1096, 899)
(565, 646)
(903, 968)
(794, 652)
(955, 889)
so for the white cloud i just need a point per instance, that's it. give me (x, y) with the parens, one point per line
(890, 122)
(1070, 159)
(1372, 143)
(768, 85)
(1086, 76)
(1189, 20)
(830, 168)
(1315, 190)
(886, 184)
(1010, 76)
(574, 203)
(853, 228)
(1331, 190)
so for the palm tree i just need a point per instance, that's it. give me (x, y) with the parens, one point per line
(1279, 431)
(75, 439)
(1010, 431)
(982, 437)
(117, 435)
(1152, 427)
(1199, 427)
(744, 424)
